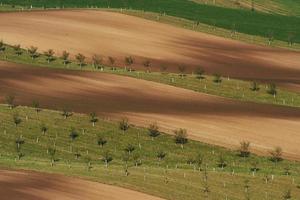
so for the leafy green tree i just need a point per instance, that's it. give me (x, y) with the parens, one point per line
(33, 52)
(101, 141)
(73, 134)
(129, 148)
(77, 155)
(153, 130)
(80, 59)
(93, 118)
(161, 155)
(2, 46)
(17, 49)
(245, 149)
(44, 128)
(19, 142)
(199, 73)
(65, 57)
(97, 61)
(124, 125)
(16, 119)
(217, 78)
(181, 137)
(254, 86)
(9, 100)
(107, 158)
(49, 55)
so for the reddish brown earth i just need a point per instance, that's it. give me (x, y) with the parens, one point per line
(113, 34)
(207, 118)
(17, 185)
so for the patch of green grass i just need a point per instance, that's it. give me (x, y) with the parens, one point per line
(172, 177)
(244, 21)
(229, 88)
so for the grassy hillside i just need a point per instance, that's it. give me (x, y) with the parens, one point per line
(285, 7)
(193, 172)
(227, 87)
(254, 23)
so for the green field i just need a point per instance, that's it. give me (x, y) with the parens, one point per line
(229, 88)
(179, 175)
(277, 26)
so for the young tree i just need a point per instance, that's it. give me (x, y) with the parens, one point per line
(36, 106)
(17, 49)
(49, 55)
(97, 61)
(33, 52)
(124, 125)
(291, 38)
(44, 128)
(287, 195)
(111, 60)
(19, 141)
(77, 154)
(270, 36)
(16, 119)
(254, 166)
(80, 59)
(182, 70)
(101, 141)
(222, 161)
(181, 137)
(2, 46)
(128, 62)
(107, 158)
(153, 130)
(272, 89)
(129, 148)
(198, 161)
(93, 118)
(65, 57)
(147, 64)
(199, 73)
(254, 86)
(66, 113)
(217, 78)
(73, 134)
(52, 152)
(245, 149)
(276, 154)
(9, 100)
(136, 159)
(161, 155)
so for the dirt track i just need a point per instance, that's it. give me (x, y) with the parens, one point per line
(207, 118)
(113, 34)
(17, 185)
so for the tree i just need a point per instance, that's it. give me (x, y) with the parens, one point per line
(101, 141)
(52, 152)
(65, 57)
(291, 38)
(276, 154)
(244, 149)
(19, 141)
(93, 117)
(16, 119)
(80, 59)
(272, 89)
(161, 155)
(73, 134)
(111, 60)
(129, 148)
(2, 46)
(77, 154)
(217, 78)
(153, 130)
(66, 113)
(9, 100)
(33, 52)
(222, 161)
(97, 61)
(129, 61)
(136, 159)
(199, 73)
(147, 64)
(287, 195)
(49, 55)
(254, 165)
(182, 70)
(124, 125)
(107, 158)
(247, 187)
(181, 137)
(44, 129)
(17, 49)
(270, 36)
(36, 106)
(199, 160)
(88, 161)
(254, 86)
